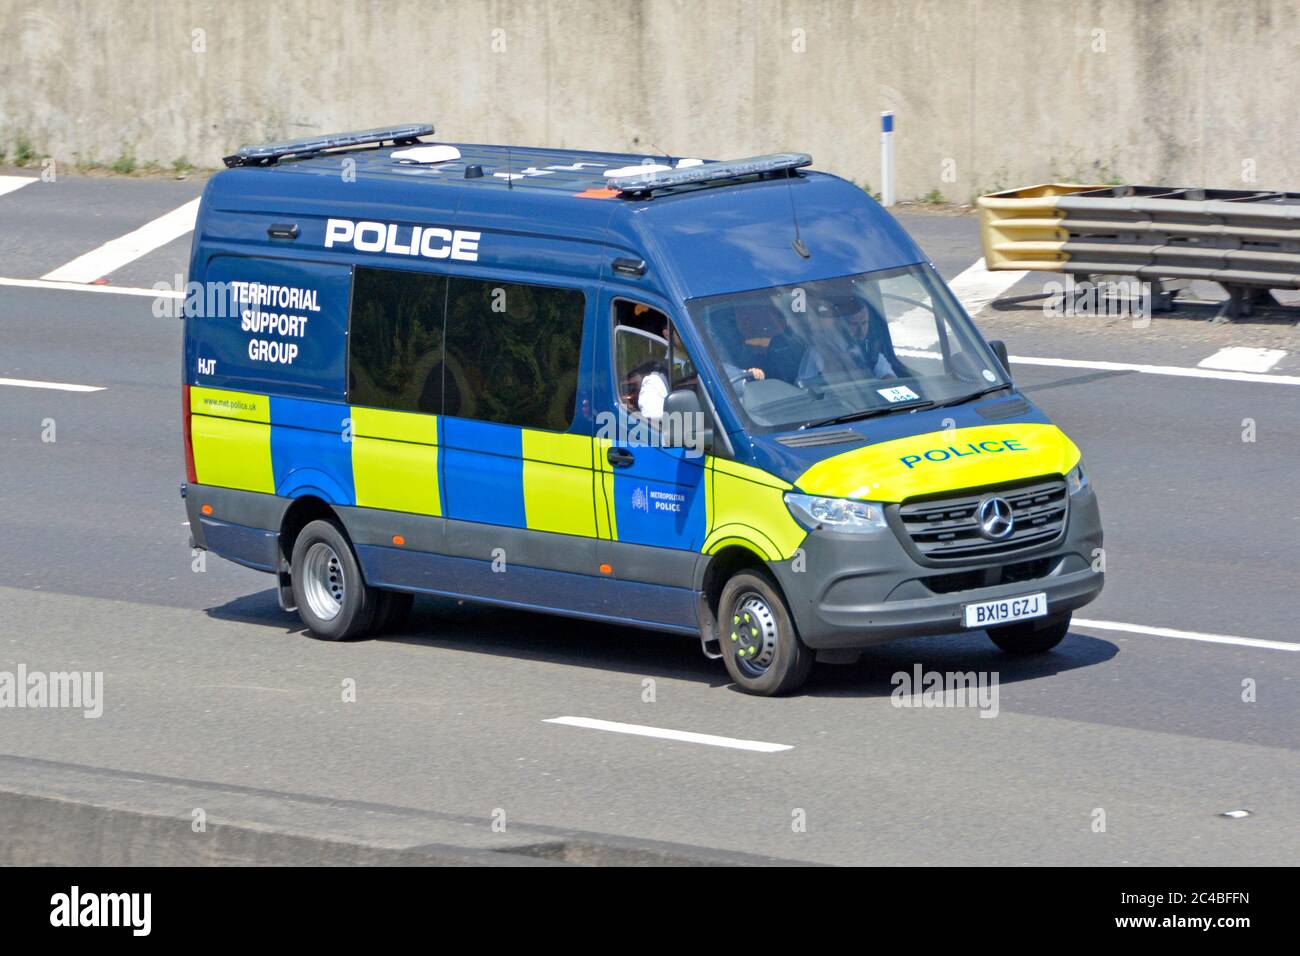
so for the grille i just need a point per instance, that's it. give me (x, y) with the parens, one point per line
(947, 529)
(814, 439)
(1003, 409)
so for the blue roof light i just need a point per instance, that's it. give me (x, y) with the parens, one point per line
(270, 153)
(708, 172)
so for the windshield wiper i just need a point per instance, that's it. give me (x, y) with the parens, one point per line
(974, 395)
(867, 413)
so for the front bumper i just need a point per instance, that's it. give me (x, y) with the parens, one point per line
(851, 590)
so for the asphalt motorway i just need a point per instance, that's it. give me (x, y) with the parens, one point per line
(1120, 747)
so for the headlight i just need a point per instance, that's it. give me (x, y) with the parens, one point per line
(836, 514)
(1077, 479)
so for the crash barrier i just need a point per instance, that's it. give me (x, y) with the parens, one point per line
(1246, 240)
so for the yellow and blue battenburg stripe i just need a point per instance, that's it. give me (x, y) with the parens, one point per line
(562, 483)
(486, 473)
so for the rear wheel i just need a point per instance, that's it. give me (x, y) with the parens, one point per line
(1031, 637)
(760, 646)
(333, 599)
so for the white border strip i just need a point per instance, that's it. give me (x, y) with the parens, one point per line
(9, 183)
(123, 250)
(1185, 635)
(977, 286)
(78, 287)
(1159, 370)
(686, 736)
(58, 386)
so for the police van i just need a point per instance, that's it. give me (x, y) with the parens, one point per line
(731, 400)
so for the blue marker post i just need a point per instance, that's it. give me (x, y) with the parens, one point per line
(887, 158)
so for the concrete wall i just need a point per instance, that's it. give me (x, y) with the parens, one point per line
(988, 93)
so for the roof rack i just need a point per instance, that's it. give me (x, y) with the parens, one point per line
(639, 183)
(269, 154)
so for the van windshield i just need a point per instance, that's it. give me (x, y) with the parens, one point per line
(845, 348)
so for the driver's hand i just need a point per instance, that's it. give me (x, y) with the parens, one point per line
(756, 374)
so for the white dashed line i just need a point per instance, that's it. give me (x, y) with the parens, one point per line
(638, 730)
(57, 386)
(1185, 635)
(1238, 359)
(123, 250)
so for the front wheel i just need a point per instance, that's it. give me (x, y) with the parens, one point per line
(760, 647)
(333, 599)
(1031, 637)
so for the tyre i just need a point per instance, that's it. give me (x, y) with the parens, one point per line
(760, 646)
(392, 610)
(333, 599)
(1031, 637)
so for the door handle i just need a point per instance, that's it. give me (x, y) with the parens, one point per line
(620, 457)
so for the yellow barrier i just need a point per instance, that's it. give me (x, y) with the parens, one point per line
(1021, 229)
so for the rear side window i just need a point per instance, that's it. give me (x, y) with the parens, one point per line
(512, 353)
(396, 343)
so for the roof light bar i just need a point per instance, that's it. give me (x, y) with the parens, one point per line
(271, 153)
(708, 172)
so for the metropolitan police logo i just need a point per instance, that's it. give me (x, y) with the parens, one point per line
(640, 500)
(995, 518)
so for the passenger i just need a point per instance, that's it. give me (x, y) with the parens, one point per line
(647, 384)
(849, 338)
(652, 391)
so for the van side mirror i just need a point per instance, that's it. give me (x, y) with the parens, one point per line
(685, 423)
(1000, 350)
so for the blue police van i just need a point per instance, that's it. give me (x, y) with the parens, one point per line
(726, 399)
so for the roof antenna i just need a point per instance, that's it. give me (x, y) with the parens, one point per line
(798, 244)
(510, 173)
(659, 149)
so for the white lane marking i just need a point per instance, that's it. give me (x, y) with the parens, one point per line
(1159, 370)
(9, 183)
(684, 735)
(79, 287)
(1185, 635)
(118, 252)
(1130, 367)
(58, 386)
(1240, 359)
(977, 286)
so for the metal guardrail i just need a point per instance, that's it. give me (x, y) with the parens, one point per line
(1248, 241)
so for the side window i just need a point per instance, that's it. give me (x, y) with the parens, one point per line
(396, 340)
(644, 375)
(512, 353)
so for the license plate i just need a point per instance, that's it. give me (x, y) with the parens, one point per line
(992, 613)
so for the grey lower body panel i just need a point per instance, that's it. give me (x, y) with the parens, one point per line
(858, 590)
(237, 523)
(516, 567)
